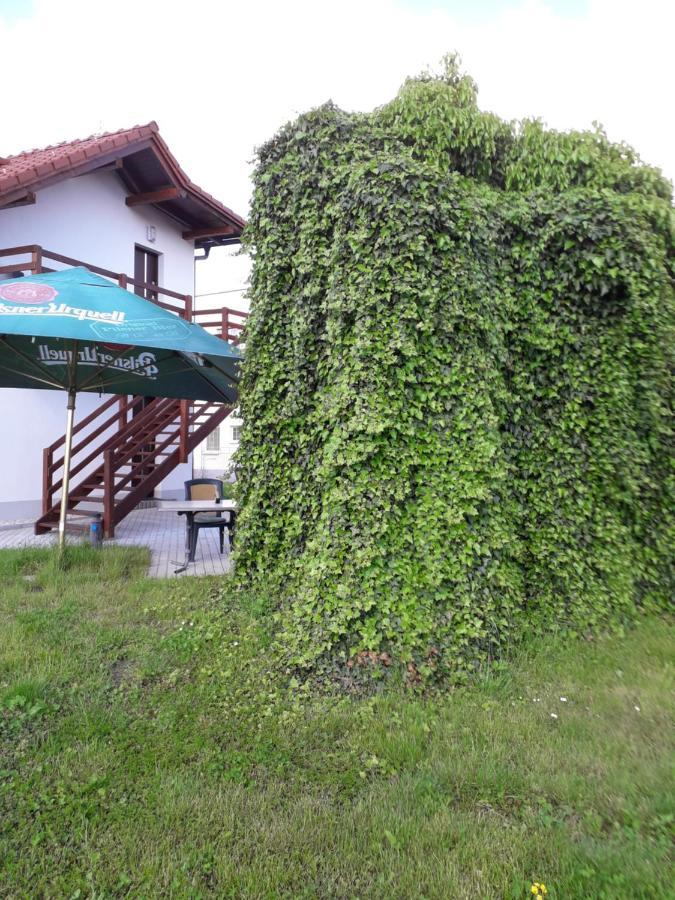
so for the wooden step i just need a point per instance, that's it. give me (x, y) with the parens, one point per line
(81, 522)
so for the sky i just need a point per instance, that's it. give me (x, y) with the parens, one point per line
(220, 78)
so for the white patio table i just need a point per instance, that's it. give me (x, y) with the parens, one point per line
(189, 509)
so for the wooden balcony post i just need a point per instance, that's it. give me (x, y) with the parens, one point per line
(36, 261)
(184, 423)
(108, 493)
(188, 307)
(122, 280)
(47, 490)
(225, 327)
(124, 411)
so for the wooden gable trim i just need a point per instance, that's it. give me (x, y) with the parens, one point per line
(168, 193)
(198, 233)
(27, 200)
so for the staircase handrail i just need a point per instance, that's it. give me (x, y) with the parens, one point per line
(142, 418)
(122, 412)
(51, 466)
(84, 422)
(165, 412)
(137, 470)
(119, 459)
(83, 463)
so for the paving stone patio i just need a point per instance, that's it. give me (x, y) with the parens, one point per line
(162, 532)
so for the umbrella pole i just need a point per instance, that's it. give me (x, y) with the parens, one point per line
(66, 468)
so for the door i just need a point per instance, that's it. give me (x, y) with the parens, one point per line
(146, 270)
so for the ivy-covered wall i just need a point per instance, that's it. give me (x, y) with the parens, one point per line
(456, 386)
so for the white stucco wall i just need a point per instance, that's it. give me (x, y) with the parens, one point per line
(221, 280)
(85, 218)
(211, 463)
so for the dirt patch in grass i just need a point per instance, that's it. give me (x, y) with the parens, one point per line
(121, 671)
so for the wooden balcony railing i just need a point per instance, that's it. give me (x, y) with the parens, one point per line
(224, 322)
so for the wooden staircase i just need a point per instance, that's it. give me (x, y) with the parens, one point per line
(122, 451)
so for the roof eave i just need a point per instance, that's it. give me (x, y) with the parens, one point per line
(88, 165)
(232, 224)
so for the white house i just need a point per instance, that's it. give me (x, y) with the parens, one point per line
(215, 457)
(119, 202)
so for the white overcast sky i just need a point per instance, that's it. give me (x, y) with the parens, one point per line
(222, 77)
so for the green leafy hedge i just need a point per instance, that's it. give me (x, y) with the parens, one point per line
(456, 383)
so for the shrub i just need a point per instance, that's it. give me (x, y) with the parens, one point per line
(455, 392)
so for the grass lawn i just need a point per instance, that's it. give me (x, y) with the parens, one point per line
(149, 748)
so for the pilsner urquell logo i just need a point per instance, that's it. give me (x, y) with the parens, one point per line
(25, 292)
(38, 300)
(143, 364)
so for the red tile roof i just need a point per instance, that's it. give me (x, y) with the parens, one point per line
(33, 166)
(29, 171)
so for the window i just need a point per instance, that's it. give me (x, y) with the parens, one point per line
(236, 432)
(146, 270)
(213, 441)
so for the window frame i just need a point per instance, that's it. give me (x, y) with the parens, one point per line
(214, 437)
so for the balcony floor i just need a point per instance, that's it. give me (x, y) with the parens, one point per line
(162, 532)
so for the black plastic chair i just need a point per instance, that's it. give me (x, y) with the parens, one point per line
(208, 489)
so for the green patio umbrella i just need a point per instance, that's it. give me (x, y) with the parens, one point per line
(76, 331)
